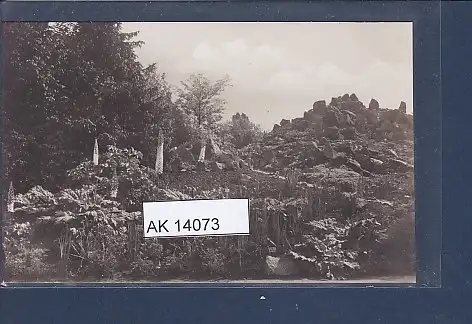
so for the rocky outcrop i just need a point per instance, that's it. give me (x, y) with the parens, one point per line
(347, 118)
(300, 124)
(285, 122)
(331, 118)
(402, 107)
(353, 97)
(374, 104)
(332, 133)
(328, 151)
(319, 107)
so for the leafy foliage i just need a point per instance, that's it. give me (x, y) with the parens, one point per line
(200, 98)
(25, 259)
(70, 83)
(241, 131)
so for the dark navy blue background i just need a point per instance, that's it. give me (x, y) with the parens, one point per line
(452, 303)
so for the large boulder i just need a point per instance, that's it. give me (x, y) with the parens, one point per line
(349, 133)
(313, 155)
(371, 164)
(319, 107)
(377, 166)
(331, 118)
(347, 119)
(285, 123)
(392, 153)
(332, 133)
(312, 117)
(217, 166)
(350, 113)
(280, 266)
(355, 107)
(300, 124)
(268, 157)
(402, 107)
(328, 151)
(335, 102)
(353, 97)
(341, 159)
(374, 104)
(399, 165)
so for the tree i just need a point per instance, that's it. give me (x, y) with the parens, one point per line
(200, 98)
(28, 49)
(243, 131)
(69, 83)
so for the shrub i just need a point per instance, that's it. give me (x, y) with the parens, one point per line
(336, 249)
(28, 262)
(24, 260)
(136, 183)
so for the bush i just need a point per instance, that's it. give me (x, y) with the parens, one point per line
(28, 263)
(136, 183)
(24, 260)
(336, 249)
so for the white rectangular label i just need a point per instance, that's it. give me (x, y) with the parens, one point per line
(196, 218)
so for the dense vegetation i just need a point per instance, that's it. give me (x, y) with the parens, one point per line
(331, 193)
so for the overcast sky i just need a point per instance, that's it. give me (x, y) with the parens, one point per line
(279, 69)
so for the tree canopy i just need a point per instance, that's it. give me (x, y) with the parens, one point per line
(243, 131)
(201, 98)
(69, 83)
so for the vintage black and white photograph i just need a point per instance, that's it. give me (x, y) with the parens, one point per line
(305, 127)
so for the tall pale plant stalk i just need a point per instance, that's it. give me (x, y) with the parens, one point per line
(201, 157)
(11, 199)
(215, 146)
(160, 153)
(95, 153)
